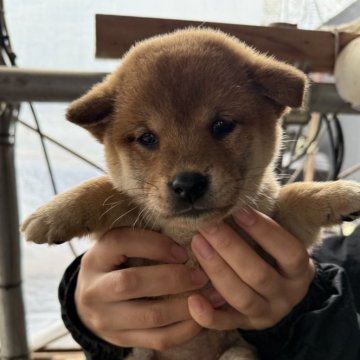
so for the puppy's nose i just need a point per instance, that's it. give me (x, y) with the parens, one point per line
(189, 186)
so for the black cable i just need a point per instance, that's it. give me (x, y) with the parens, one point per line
(310, 143)
(48, 164)
(340, 147)
(60, 145)
(5, 43)
(297, 137)
(45, 151)
(333, 146)
(336, 138)
(282, 171)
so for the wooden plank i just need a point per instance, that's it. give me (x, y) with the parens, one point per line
(64, 343)
(56, 355)
(41, 338)
(310, 49)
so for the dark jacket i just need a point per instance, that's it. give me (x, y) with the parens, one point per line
(324, 325)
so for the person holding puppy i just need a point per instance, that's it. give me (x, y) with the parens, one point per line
(190, 123)
(296, 308)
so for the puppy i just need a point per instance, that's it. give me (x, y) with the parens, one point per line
(191, 131)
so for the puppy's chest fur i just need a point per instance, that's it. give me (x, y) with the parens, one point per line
(212, 344)
(183, 237)
(209, 344)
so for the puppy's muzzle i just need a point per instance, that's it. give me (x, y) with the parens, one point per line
(188, 187)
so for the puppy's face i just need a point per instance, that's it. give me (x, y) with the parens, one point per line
(189, 123)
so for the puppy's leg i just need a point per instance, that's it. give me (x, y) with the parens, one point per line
(78, 211)
(303, 208)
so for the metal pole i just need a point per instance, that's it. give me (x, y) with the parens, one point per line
(18, 85)
(24, 85)
(13, 340)
(12, 316)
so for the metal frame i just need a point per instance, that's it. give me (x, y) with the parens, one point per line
(18, 85)
(13, 340)
(48, 87)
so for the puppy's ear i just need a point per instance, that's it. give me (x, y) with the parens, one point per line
(280, 82)
(94, 110)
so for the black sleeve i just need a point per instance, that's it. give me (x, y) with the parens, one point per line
(324, 325)
(94, 347)
(345, 252)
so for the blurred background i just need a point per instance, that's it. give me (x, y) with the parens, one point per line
(50, 34)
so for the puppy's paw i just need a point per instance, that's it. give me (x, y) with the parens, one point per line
(343, 199)
(41, 228)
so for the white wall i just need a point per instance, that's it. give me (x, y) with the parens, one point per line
(61, 34)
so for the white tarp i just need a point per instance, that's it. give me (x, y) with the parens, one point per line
(307, 14)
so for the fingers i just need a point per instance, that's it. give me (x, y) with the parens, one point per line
(108, 300)
(206, 316)
(228, 318)
(140, 314)
(258, 294)
(274, 239)
(160, 339)
(117, 245)
(226, 281)
(240, 257)
(149, 281)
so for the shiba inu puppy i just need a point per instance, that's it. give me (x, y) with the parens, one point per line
(191, 128)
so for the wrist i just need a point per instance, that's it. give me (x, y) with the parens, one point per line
(81, 334)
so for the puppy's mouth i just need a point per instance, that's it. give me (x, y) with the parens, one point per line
(193, 212)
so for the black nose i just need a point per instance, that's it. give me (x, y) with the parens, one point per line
(189, 186)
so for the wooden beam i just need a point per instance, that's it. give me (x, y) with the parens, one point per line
(314, 50)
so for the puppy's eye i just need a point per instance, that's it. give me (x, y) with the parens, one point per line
(221, 127)
(148, 139)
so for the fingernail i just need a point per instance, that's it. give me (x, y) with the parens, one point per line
(178, 253)
(210, 229)
(245, 217)
(198, 277)
(202, 247)
(196, 304)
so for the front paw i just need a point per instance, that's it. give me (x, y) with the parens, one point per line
(41, 227)
(344, 201)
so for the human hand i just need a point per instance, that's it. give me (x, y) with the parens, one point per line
(259, 295)
(114, 303)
